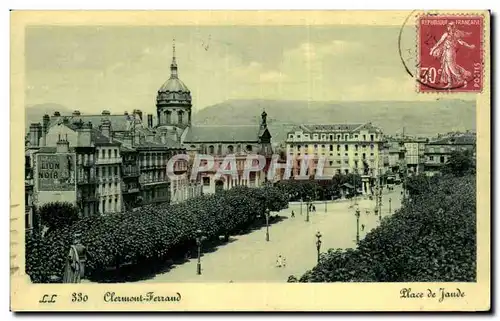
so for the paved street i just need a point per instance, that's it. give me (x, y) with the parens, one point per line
(251, 259)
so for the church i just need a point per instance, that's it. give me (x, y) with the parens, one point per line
(174, 116)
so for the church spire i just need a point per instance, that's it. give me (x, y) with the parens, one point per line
(173, 65)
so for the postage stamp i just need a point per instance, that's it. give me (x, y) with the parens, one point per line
(200, 161)
(450, 52)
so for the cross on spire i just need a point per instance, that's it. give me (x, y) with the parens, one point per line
(173, 65)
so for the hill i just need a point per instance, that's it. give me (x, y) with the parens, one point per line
(418, 118)
(34, 113)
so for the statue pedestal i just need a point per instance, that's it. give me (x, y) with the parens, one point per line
(365, 185)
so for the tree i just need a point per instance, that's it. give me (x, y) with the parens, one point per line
(460, 163)
(56, 215)
(431, 239)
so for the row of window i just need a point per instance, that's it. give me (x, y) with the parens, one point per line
(338, 154)
(332, 136)
(346, 147)
(111, 205)
(105, 171)
(109, 153)
(229, 149)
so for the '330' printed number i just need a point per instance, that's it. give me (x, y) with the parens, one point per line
(79, 297)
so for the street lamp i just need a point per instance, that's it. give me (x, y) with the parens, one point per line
(357, 214)
(325, 205)
(267, 224)
(308, 204)
(318, 243)
(199, 240)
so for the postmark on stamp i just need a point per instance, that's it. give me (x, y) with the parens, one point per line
(450, 53)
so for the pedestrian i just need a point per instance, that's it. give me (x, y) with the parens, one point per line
(284, 261)
(362, 227)
(314, 208)
(293, 213)
(278, 261)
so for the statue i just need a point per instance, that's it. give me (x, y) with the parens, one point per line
(366, 168)
(75, 264)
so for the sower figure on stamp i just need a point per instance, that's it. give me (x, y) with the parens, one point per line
(446, 50)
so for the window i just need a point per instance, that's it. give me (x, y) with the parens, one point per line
(331, 148)
(116, 204)
(364, 137)
(306, 146)
(206, 181)
(431, 158)
(339, 137)
(298, 136)
(356, 136)
(346, 154)
(179, 116)
(211, 149)
(441, 159)
(338, 148)
(371, 138)
(331, 163)
(315, 146)
(103, 153)
(116, 153)
(110, 204)
(356, 147)
(109, 153)
(322, 146)
(346, 137)
(290, 136)
(346, 147)
(371, 154)
(339, 162)
(249, 148)
(346, 161)
(364, 156)
(331, 137)
(371, 146)
(230, 149)
(116, 170)
(103, 206)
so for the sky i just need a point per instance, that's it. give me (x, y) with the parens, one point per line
(121, 68)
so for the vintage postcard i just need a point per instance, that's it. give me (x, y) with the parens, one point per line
(250, 161)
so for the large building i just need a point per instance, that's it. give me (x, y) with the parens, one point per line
(438, 151)
(120, 161)
(347, 148)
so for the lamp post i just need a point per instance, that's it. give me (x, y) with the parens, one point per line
(199, 240)
(390, 206)
(267, 224)
(318, 243)
(357, 213)
(308, 204)
(301, 206)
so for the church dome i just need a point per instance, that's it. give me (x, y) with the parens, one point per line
(173, 91)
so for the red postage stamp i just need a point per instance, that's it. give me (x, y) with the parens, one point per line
(450, 53)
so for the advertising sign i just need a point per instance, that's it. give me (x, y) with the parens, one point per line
(56, 172)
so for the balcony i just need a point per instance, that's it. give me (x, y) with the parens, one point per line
(88, 198)
(107, 161)
(89, 181)
(131, 174)
(87, 163)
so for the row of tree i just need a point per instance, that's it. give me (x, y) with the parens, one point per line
(321, 189)
(153, 232)
(432, 238)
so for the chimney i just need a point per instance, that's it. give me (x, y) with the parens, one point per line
(35, 131)
(150, 121)
(127, 140)
(138, 112)
(76, 113)
(106, 128)
(106, 113)
(62, 145)
(45, 129)
(85, 135)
